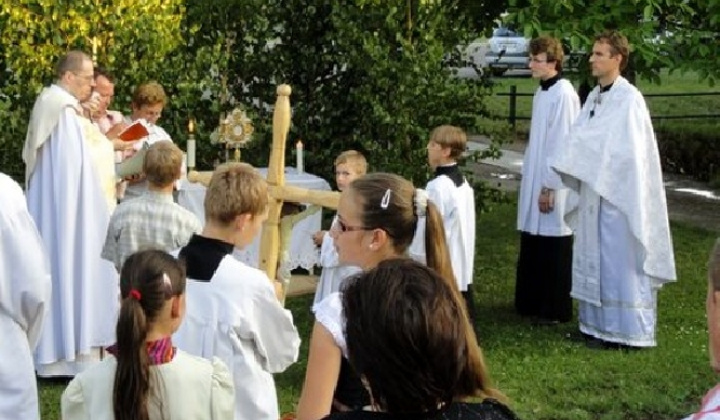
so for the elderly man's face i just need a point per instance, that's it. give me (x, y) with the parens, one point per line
(81, 82)
(106, 89)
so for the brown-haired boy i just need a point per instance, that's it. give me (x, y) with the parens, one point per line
(455, 200)
(349, 165)
(152, 220)
(233, 312)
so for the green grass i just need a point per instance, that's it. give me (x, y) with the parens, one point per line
(659, 106)
(546, 376)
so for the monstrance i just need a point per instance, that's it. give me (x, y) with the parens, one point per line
(234, 132)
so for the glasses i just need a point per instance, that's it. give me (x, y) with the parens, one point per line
(339, 226)
(85, 77)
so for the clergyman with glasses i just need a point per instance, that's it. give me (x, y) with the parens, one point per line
(622, 252)
(542, 289)
(65, 200)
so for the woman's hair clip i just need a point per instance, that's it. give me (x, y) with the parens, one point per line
(421, 202)
(385, 202)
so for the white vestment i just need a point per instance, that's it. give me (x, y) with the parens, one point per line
(25, 288)
(192, 389)
(66, 202)
(623, 250)
(333, 273)
(553, 112)
(456, 205)
(237, 317)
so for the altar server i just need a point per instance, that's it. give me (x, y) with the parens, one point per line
(544, 265)
(233, 310)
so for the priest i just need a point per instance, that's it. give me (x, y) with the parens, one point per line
(24, 299)
(623, 250)
(66, 202)
(544, 267)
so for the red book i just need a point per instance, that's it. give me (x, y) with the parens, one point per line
(135, 131)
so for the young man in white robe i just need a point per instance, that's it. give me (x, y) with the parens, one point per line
(66, 202)
(544, 268)
(233, 310)
(25, 288)
(455, 200)
(623, 249)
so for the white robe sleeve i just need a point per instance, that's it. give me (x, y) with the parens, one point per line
(271, 328)
(25, 285)
(222, 392)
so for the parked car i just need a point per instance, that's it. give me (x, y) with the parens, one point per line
(508, 49)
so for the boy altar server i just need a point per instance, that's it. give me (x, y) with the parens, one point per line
(623, 250)
(455, 200)
(544, 265)
(233, 311)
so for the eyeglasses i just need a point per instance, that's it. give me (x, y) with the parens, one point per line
(340, 226)
(86, 77)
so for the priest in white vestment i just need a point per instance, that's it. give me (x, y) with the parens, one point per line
(544, 268)
(24, 299)
(66, 201)
(623, 249)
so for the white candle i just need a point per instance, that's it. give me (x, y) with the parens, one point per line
(191, 144)
(299, 162)
(94, 49)
(191, 152)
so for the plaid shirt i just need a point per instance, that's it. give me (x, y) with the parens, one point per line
(151, 221)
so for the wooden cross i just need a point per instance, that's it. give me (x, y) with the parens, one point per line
(278, 191)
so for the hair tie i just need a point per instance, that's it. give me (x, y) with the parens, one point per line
(421, 201)
(135, 294)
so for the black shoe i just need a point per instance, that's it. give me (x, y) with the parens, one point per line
(545, 322)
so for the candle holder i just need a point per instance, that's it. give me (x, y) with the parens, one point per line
(234, 132)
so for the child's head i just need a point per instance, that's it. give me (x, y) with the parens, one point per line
(163, 163)
(236, 201)
(378, 216)
(447, 143)
(148, 102)
(349, 165)
(152, 288)
(402, 307)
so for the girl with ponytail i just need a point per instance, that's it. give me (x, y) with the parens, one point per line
(378, 216)
(145, 377)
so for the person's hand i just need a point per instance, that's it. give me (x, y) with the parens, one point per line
(115, 130)
(122, 145)
(318, 237)
(546, 201)
(134, 179)
(92, 104)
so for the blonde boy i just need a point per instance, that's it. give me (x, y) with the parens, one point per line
(233, 311)
(349, 165)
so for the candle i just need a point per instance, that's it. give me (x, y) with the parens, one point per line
(191, 145)
(299, 158)
(94, 49)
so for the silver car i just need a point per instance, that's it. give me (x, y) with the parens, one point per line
(507, 50)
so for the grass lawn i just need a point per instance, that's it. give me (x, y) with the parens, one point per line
(659, 106)
(545, 375)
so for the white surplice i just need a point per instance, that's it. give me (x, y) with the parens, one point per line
(456, 205)
(237, 317)
(623, 249)
(553, 112)
(25, 289)
(333, 273)
(67, 204)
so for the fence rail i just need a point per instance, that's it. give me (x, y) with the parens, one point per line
(513, 118)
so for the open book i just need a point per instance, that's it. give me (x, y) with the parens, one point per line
(134, 131)
(132, 165)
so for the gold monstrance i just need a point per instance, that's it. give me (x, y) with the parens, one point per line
(234, 132)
